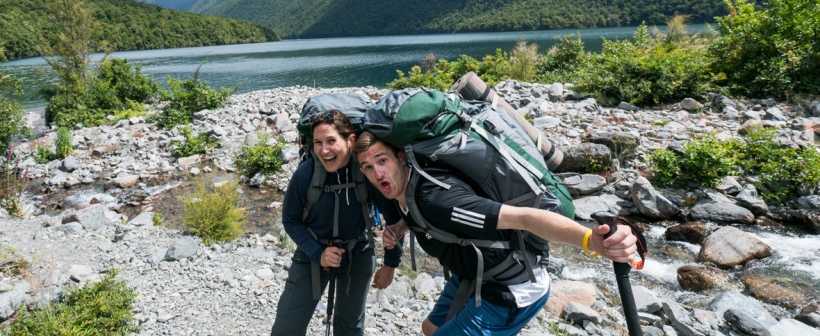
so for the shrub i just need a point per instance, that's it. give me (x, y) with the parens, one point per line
(492, 69)
(16, 183)
(561, 60)
(102, 308)
(213, 215)
(705, 161)
(769, 52)
(63, 144)
(193, 144)
(188, 97)
(523, 59)
(260, 158)
(43, 155)
(12, 120)
(116, 88)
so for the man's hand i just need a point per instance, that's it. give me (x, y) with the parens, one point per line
(332, 257)
(620, 247)
(393, 233)
(383, 277)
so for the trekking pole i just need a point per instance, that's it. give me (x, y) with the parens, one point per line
(622, 277)
(331, 291)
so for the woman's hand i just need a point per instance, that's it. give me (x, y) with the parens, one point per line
(383, 277)
(332, 257)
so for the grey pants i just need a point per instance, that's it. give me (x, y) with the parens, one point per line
(296, 305)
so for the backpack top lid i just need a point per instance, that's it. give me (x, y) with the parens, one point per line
(420, 107)
(351, 104)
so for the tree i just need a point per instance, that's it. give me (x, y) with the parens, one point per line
(71, 49)
(12, 122)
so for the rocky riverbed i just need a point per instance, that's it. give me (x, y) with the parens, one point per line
(720, 283)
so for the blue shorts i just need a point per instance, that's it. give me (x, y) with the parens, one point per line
(489, 319)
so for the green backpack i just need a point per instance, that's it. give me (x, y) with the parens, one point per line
(484, 145)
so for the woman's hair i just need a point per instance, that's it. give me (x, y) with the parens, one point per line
(335, 118)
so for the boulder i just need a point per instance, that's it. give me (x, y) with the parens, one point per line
(645, 300)
(183, 248)
(777, 291)
(579, 313)
(617, 142)
(810, 315)
(701, 278)
(91, 218)
(734, 300)
(144, 218)
(791, 327)
(691, 232)
(586, 206)
(729, 246)
(746, 323)
(721, 212)
(649, 202)
(69, 164)
(562, 292)
(690, 105)
(13, 299)
(584, 184)
(748, 199)
(125, 181)
(582, 155)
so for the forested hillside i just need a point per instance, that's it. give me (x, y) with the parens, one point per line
(126, 25)
(330, 18)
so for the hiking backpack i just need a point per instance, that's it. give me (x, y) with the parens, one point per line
(484, 145)
(353, 106)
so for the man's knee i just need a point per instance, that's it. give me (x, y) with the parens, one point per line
(428, 328)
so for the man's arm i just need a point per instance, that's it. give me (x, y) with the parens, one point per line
(554, 227)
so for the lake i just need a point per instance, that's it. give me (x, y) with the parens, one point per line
(330, 62)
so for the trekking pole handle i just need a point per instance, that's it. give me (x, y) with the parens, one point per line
(610, 219)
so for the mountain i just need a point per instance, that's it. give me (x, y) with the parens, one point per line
(332, 18)
(125, 25)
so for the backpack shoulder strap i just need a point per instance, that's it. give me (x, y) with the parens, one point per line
(316, 183)
(368, 209)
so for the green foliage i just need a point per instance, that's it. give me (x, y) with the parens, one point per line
(158, 220)
(16, 182)
(188, 97)
(523, 59)
(122, 25)
(131, 110)
(12, 120)
(770, 52)
(43, 154)
(116, 88)
(783, 171)
(102, 308)
(70, 48)
(705, 162)
(193, 144)
(492, 69)
(213, 215)
(649, 70)
(260, 158)
(63, 143)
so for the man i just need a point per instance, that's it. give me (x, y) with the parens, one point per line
(459, 210)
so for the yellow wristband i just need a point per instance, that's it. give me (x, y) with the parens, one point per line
(586, 245)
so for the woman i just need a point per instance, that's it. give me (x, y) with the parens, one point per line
(330, 236)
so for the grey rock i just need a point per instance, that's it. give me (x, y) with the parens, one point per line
(69, 164)
(93, 217)
(791, 327)
(13, 299)
(721, 212)
(70, 228)
(283, 123)
(745, 322)
(576, 158)
(144, 218)
(546, 122)
(125, 181)
(188, 161)
(690, 104)
(645, 300)
(617, 142)
(729, 185)
(774, 113)
(257, 180)
(652, 331)
(729, 246)
(749, 199)
(679, 318)
(586, 206)
(734, 300)
(251, 139)
(183, 247)
(584, 184)
(628, 106)
(650, 202)
(578, 313)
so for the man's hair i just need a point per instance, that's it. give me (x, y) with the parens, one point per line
(367, 140)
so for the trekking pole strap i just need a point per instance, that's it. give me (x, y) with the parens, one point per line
(460, 300)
